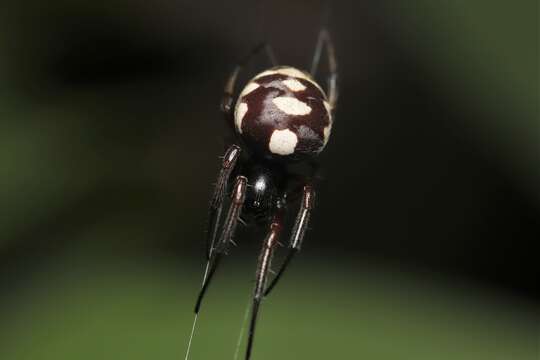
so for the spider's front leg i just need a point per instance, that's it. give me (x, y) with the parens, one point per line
(270, 242)
(216, 204)
(297, 235)
(222, 245)
(263, 268)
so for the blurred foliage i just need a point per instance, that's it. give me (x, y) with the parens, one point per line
(487, 52)
(90, 307)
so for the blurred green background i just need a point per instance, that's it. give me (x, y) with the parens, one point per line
(420, 246)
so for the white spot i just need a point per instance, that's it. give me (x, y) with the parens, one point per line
(239, 113)
(294, 85)
(291, 72)
(249, 88)
(327, 131)
(283, 142)
(291, 106)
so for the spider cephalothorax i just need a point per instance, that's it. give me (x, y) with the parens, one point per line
(281, 116)
(283, 112)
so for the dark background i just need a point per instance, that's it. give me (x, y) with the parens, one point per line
(110, 135)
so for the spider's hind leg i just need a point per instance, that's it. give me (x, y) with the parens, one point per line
(228, 91)
(324, 41)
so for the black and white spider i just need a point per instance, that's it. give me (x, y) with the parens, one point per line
(281, 117)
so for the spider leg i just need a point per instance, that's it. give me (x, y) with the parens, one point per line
(222, 245)
(263, 268)
(298, 232)
(216, 204)
(228, 91)
(324, 39)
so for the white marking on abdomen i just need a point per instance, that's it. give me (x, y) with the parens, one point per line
(326, 132)
(240, 112)
(291, 72)
(249, 88)
(283, 142)
(327, 106)
(291, 106)
(294, 85)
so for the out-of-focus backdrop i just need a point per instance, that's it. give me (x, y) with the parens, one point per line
(427, 212)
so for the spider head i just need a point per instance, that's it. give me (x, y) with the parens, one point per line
(282, 113)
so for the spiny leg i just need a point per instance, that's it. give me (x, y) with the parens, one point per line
(228, 91)
(263, 268)
(222, 245)
(324, 39)
(216, 204)
(298, 232)
(212, 262)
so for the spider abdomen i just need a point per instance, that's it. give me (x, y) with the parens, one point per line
(283, 113)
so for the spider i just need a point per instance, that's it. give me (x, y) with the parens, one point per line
(281, 118)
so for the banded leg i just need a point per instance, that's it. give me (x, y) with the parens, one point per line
(228, 91)
(216, 204)
(263, 268)
(324, 39)
(222, 245)
(298, 232)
